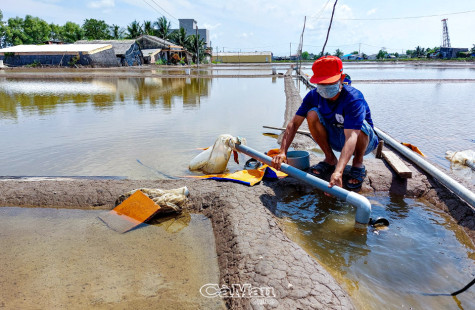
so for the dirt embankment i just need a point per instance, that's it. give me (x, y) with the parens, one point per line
(251, 246)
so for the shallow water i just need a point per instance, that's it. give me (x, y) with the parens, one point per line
(58, 258)
(404, 72)
(104, 126)
(422, 251)
(436, 117)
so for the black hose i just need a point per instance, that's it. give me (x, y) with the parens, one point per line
(466, 287)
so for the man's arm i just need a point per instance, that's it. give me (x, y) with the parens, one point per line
(351, 136)
(287, 139)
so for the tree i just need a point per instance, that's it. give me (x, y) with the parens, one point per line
(305, 55)
(191, 44)
(179, 36)
(473, 49)
(381, 54)
(134, 30)
(355, 53)
(163, 28)
(55, 32)
(338, 53)
(148, 27)
(396, 54)
(37, 31)
(14, 34)
(117, 32)
(2, 31)
(419, 51)
(95, 29)
(72, 32)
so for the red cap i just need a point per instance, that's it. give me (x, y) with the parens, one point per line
(326, 70)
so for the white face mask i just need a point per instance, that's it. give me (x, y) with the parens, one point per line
(328, 91)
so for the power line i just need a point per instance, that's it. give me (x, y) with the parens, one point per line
(317, 15)
(154, 8)
(407, 17)
(164, 10)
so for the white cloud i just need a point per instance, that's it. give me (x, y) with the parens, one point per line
(211, 27)
(101, 4)
(245, 35)
(371, 12)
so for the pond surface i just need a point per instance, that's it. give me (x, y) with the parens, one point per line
(422, 251)
(106, 126)
(436, 117)
(58, 258)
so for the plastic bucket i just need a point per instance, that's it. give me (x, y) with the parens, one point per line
(299, 159)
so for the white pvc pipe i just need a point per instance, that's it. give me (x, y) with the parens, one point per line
(447, 181)
(362, 204)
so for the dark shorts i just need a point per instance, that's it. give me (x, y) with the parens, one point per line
(336, 135)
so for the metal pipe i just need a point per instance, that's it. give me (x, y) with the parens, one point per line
(447, 181)
(362, 204)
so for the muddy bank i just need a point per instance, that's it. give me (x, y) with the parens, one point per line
(251, 246)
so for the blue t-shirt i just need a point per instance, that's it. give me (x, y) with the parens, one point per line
(348, 111)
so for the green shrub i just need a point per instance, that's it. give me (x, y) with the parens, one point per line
(35, 64)
(73, 61)
(160, 62)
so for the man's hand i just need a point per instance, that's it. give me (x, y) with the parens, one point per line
(278, 159)
(336, 179)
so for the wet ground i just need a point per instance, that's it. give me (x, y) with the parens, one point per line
(59, 258)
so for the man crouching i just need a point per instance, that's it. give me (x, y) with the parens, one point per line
(339, 119)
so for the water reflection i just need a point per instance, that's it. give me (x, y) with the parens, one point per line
(159, 121)
(45, 97)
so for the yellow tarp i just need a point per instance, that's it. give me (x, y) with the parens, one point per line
(249, 177)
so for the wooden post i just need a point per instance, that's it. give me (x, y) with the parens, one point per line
(379, 149)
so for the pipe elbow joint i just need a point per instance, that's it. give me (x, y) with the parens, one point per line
(363, 207)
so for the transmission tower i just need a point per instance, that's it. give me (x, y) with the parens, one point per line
(445, 34)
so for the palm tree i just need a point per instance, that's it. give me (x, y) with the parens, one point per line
(338, 53)
(163, 26)
(191, 45)
(148, 28)
(117, 33)
(179, 36)
(134, 30)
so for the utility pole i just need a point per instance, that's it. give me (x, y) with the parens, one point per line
(290, 54)
(197, 51)
(359, 49)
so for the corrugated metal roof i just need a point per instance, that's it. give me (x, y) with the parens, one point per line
(215, 54)
(151, 51)
(158, 40)
(120, 46)
(53, 48)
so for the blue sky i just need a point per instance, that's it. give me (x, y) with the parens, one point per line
(263, 25)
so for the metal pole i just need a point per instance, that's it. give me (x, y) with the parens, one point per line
(447, 181)
(197, 51)
(362, 204)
